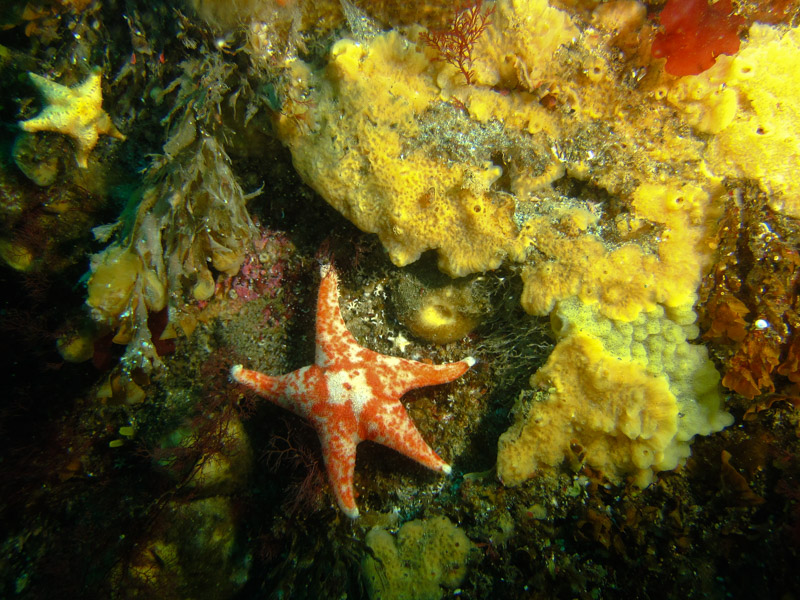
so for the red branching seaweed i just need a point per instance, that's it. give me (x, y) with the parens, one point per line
(750, 369)
(751, 305)
(305, 492)
(790, 367)
(455, 44)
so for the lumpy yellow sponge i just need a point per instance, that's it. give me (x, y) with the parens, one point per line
(631, 394)
(358, 142)
(744, 100)
(521, 32)
(394, 138)
(425, 556)
(624, 279)
(623, 417)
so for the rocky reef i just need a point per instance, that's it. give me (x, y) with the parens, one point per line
(592, 206)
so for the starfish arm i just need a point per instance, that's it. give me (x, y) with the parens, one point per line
(106, 126)
(265, 385)
(85, 141)
(333, 339)
(45, 119)
(339, 451)
(91, 89)
(387, 423)
(52, 92)
(32, 125)
(336, 345)
(398, 375)
(302, 391)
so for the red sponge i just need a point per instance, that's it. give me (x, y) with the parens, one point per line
(695, 33)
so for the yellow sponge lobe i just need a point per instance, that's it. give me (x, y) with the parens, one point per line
(632, 394)
(425, 556)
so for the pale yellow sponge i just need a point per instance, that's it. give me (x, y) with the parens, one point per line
(746, 101)
(763, 141)
(624, 279)
(361, 147)
(630, 395)
(425, 557)
(622, 417)
(658, 341)
(518, 45)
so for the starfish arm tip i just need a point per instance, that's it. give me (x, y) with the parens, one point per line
(235, 371)
(351, 512)
(447, 469)
(38, 79)
(470, 360)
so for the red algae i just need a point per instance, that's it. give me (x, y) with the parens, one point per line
(695, 33)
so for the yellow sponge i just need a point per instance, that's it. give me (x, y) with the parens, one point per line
(631, 394)
(743, 99)
(426, 555)
(625, 279)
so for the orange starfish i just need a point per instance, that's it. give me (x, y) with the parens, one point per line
(353, 394)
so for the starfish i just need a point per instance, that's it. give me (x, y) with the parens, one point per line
(75, 111)
(352, 394)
